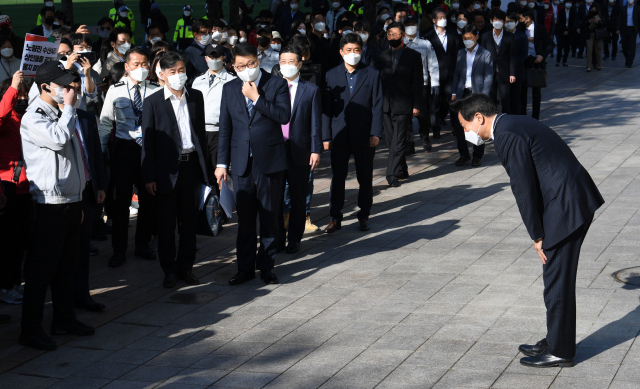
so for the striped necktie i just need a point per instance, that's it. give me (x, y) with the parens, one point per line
(137, 109)
(249, 106)
(211, 78)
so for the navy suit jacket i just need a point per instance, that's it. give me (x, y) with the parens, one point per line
(481, 72)
(305, 128)
(261, 132)
(91, 138)
(284, 25)
(554, 193)
(162, 143)
(352, 118)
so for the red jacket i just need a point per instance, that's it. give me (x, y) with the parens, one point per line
(10, 141)
(548, 19)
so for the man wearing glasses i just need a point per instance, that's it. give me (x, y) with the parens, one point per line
(254, 108)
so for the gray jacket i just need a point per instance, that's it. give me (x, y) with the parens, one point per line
(52, 155)
(212, 95)
(481, 72)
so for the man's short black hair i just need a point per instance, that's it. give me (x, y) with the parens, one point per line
(496, 3)
(350, 38)
(106, 19)
(477, 102)
(512, 16)
(527, 13)
(113, 36)
(498, 14)
(362, 26)
(293, 49)
(135, 50)
(66, 41)
(479, 13)
(347, 24)
(397, 25)
(198, 24)
(244, 50)
(78, 39)
(436, 11)
(470, 28)
(152, 27)
(44, 11)
(170, 59)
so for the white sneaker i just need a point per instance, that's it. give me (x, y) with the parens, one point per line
(133, 211)
(10, 296)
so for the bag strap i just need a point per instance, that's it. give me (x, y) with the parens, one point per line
(18, 170)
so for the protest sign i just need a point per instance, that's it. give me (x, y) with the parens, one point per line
(37, 50)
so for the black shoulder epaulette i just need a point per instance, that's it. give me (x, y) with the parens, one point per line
(118, 84)
(202, 74)
(154, 83)
(41, 111)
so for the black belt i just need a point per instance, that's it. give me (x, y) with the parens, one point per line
(188, 156)
(468, 90)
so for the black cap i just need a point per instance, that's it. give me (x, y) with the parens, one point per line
(217, 50)
(266, 28)
(54, 71)
(411, 18)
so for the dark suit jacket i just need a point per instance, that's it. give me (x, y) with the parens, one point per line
(372, 53)
(352, 118)
(284, 25)
(162, 144)
(622, 20)
(481, 72)
(196, 64)
(504, 58)
(402, 89)
(542, 42)
(446, 60)
(611, 19)
(554, 193)
(522, 53)
(91, 139)
(261, 132)
(305, 127)
(561, 25)
(39, 30)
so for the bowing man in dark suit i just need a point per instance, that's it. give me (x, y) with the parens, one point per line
(303, 143)
(175, 164)
(401, 74)
(254, 108)
(557, 200)
(502, 46)
(351, 124)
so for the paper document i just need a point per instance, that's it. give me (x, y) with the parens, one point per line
(226, 198)
(204, 193)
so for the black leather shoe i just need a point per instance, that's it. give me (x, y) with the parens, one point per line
(546, 360)
(533, 350)
(117, 260)
(282, 246)
(98, 235)
(169, 281)
(189, 278)
(476, 161)
(93, 251)
(409, 151)
(427, 146)
(404, 176)
(40, 341)
(436, 134)
(293, 247)
(241, 278)
(73, 328)
(394, 183)
(4, 319)
(147, 254)
(462, 160)
(268, 277)
(332, 227)
(364, 225)
(90, 305)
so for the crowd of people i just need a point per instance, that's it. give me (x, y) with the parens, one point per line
(116, 127)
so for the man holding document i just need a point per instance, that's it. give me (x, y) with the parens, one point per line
(175, 165)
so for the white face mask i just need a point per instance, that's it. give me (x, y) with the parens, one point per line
(336, 5)
(302, 31)
(531, 5)
(510, 25)
(156, 39)
(319, 26)
(242, 40)
(187, 13)
(498, 25)
(442, 23)
(64, 63)
(364, 37)
(412, 30)
(205, 39)
(139, 74)
(216, 36)
(249, 74)
(177, 81)
(214, 64)
(568, 5)
(476, 6)
(472, 136)
(6, 52)
(124, 14)
(233, 40)
(352, 59)
(294, 7)
(384, 17)
(469, 44)
(288, 71)
(455, 6)
(453, 20)
(346, 32)
(545, 5)
(523, 3)
(461, 24)
(59, 97)
(276, 47)
(123, 48)
(325, 36)
(49, 4)
(224, 38)
(385, 27)
(158, 72)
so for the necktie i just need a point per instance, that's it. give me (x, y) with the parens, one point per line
(137, 109)
(84, 161)
(211, 78)
(285, 127)
(249, 106)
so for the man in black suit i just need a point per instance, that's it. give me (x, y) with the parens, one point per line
(351, 124)
(557, 200)
(628, 29)
(175, 165)
(511, 24)
(611, 13)
(502, 46)
(565, 33)
(254, 108)
(288, 16)
(370, 50)
(47, 26)
(446, 45)
(480, 21)
(401, 74)
(582, 34)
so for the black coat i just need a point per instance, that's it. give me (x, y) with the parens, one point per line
(402, 89)
(521, 54)
(446, 60)
(372, 54)
(611, 18)
(542, 41)
(505, 58)
(91, 140)
(561, 25)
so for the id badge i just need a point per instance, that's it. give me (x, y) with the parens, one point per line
(137, 133)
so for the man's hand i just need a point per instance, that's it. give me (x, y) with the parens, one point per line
(71, 59)
(101, 196)
(151, 188)
(416, 112)
(327, 146)
(17, 80)
(531, 38)
(453, 97)
(86, 66)
(539, 58)
(250, 91)
(314, 161)
(221, 174)
(83, 30)
(3, 200)
(537, 244)
(512, 79)
(373, 141)
(70, 96)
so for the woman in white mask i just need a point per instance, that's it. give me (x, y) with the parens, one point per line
(232, 38)
(8, 63)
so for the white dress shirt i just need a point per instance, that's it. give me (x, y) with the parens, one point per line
(293, 88)
(496, 38)
(629, 16)
(182, 117)
(471, 55)
(567, 13)
(530, 33)
(443, 39)
(555, 11)
(45, 32)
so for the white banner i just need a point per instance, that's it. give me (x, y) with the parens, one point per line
(37, 50)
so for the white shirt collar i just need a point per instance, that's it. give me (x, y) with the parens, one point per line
(498, 36)
(198, 43)
(531, 27)
(295, 81)
(131, 84)
(443, 34)
(474, 51)
(168, 94)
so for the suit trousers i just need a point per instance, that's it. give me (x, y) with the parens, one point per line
(126, 168)
(502, 89)
(559, 276)
(180, 204)
(424, 119)
(363, 157)
(564, 46)
(54, 255)
(536, 100)
(515, 91)
(628, 35)
(257, 195)
(89, 207)
(395, 127)
(458, 131)
(593, 43)
(439, 105)
(15, 224)
(298, 179)
(613, 41)
(212, 147)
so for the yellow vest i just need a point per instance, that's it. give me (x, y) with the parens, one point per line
(113, 13)
(360, 11)
(182, 31)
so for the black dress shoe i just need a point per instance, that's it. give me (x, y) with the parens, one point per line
(90, 305)
(409, 151)
(188, 277)
(268, 277)
(147, 254)
(73, 328)
(364, 225)
(117, 260)
(293, 247)
(40, 341)
(565, 64)
(546, 360)
(533, 350)
(394, 183)
(404, 176)
(169, 281)
(427, 146)
(4, 319)
(476, 161)
(436, 134)
(282, 246)
(93, 251)
(462, 160)
(241, 278)
(98, 235)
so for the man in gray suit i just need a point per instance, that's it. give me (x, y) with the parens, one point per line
(474, 74)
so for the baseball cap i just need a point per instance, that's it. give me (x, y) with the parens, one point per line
(263, 27)
(5, 19)
(217, 50)
(276, 35)
(123, 8)
(54, 71)
(186, 7)
(411, 18)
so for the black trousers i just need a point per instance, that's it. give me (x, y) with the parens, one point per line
(458, 131)
(564, 46)
(439, 104)
(363, 156)
(559, 276)
(126, 169)
(180, 204)
(258, 195)
(395, 127)
(628, 35)
(502, 89)
(424, 119)
(54, 255)
(89, 207)
(515, 91)
(15, 226)
(536, 93)
(212, 143)
(613, 41)
(298, 179)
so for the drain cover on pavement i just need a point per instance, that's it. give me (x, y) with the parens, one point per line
(628, 276)
(194, 297)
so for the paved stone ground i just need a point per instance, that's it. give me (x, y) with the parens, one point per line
(438, 294)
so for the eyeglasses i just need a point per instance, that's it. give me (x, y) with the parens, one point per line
(393, 35)
(250, 64)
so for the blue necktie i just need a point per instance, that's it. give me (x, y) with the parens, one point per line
(249, 106)
(137, 109)
(211, 78)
